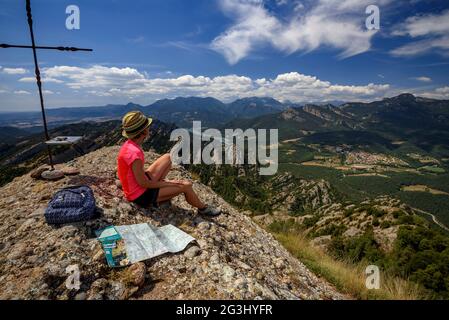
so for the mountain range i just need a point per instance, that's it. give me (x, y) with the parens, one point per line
(404, 117)
(405, 123)
(422, 122)
(180, 111)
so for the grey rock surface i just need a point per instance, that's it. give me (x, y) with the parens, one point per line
(234, 257)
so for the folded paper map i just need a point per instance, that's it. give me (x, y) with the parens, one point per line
(124, 245)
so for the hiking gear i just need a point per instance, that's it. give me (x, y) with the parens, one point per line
(209, 211)
(129, 152)
(133, 123)
(71, 204)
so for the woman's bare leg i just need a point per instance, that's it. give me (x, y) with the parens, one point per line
(170, 192)
(159, 169)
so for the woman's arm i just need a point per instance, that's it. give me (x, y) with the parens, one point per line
(142, 179)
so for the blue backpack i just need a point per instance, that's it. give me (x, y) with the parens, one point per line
(71, 204)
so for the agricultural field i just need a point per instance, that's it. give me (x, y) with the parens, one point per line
(407, 173)
(423, 188)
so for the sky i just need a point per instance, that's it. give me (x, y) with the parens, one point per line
(292, 50)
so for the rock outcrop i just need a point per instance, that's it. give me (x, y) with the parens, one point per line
(233, 258)
(298, 195)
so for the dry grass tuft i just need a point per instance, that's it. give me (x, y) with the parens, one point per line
(349, 278)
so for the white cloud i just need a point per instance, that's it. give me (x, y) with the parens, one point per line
(129, 83)
(95, 76)
(298, 6)
(21, 92)
(423, 25)
(443, 90)
(339, 24)
(281, 2)
(303, 88)
(183, 45)
(14, 70)
(438, 93)
(440, 45)
(423, 79)
(432, 31)
(44, 79)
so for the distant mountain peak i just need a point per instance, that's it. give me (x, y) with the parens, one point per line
(402, 97)
(327, 106)
(194, 98)
(260, 99)
(132, 104)
(250, 107)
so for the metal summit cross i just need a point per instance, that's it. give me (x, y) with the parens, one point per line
(37, 71)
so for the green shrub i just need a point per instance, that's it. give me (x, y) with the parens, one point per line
(397, 213)
(373, 211)
(284, 226)
(297, 208)
(310, 222)
(332, 229)
(406, 219)
(357, 249)
(422, 255)
(349, 212)
(385, 224)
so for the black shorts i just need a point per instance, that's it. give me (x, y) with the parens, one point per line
(148, 198)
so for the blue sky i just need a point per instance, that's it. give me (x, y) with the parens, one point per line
(296, 50)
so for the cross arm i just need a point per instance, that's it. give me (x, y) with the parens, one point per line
(4, 45)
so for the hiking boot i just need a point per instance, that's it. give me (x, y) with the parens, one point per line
(209, 211)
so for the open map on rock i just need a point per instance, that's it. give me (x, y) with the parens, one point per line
(124, 245)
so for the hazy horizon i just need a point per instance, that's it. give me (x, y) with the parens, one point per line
(37, 109)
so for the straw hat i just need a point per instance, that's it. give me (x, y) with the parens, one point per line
(134, 123)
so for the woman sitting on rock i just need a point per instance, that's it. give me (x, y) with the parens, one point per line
(148, 187)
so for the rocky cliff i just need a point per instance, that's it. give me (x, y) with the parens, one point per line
(233, 258)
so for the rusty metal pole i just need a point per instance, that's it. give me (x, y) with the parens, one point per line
(38, 80)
